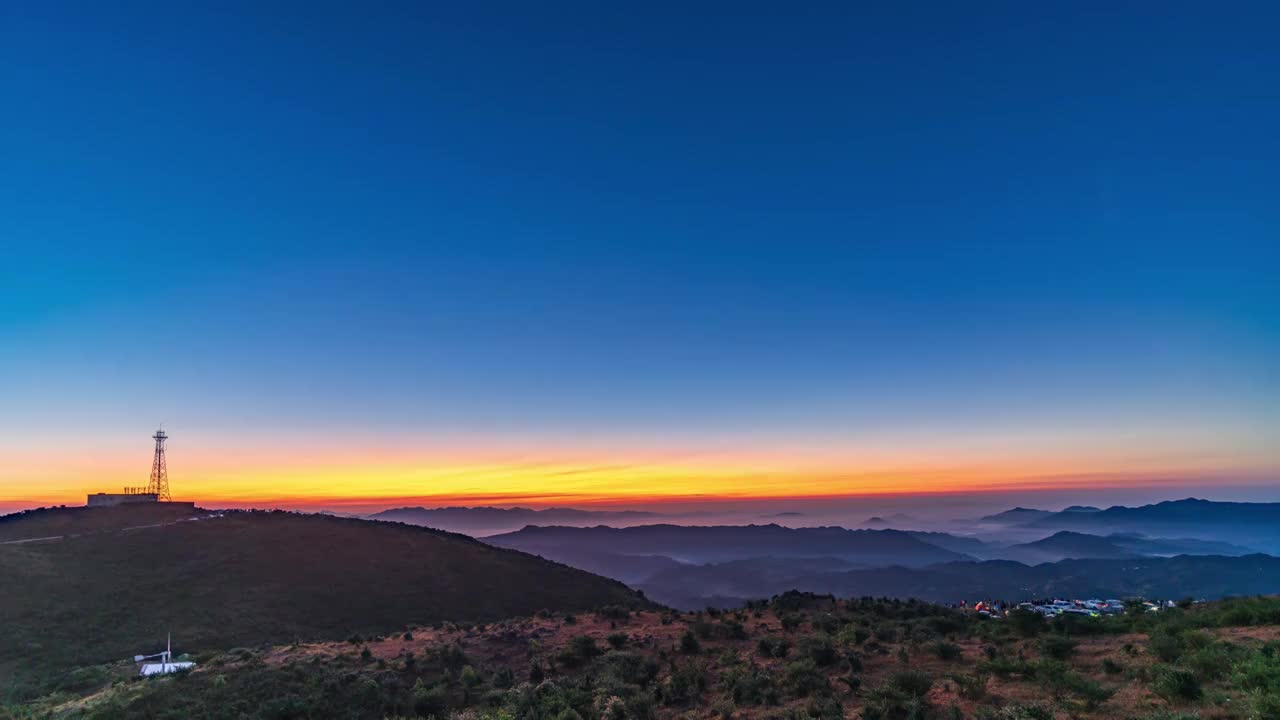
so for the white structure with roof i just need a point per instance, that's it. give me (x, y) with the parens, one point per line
(166, 664)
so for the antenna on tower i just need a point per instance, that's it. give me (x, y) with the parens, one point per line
(159, 483)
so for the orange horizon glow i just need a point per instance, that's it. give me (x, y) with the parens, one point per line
(317, 477)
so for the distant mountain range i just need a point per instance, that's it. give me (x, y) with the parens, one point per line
(1252, 524)
(691, 566)
(720, 543)
(729, 584)
(476, 521)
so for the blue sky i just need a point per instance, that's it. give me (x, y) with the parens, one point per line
(838, 224)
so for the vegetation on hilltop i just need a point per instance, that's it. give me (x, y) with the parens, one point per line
(64, 521)
(247, 578)
(796, 656)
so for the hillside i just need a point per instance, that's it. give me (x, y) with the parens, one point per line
(1066, 545)
(796, 657)
(244, 578)
(1176, 546)
(722, 543)
(59, 522)
(970, 546)
(1016, 515)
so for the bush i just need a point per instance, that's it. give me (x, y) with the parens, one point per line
(772, 647)
(685, 684)
(971, 687)
(947, 651)
(887, 632)
(1166, 645)
(1111, 667)
(903, 697)
(580, 649)
(1062, 682)
(617, 640)
(1213, 662)
(1016, 712)
(1027, 623)
(429, 701)
(804, 679)
(751, 687)
(1177, 685)
(825, 708)
(820, 649)
(689, 644)
(730, 629)
(613, 612)
(791, 621)
(1058, 647)
(912, 683)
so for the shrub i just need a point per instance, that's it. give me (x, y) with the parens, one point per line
(429, 701)
(912, 683)
(1166, 645)
(791, 621)
(1016, 712)
(1027, 623)
(689, 644)
(1213, 662)
(751, 687)
(1061, 681)
(1058, 647)
(730, 629)
(887, 632)
(853, 661)
(772, 647)
(825, 708)
(820, 649)
(580, 649)
(1177, 685)
(613, 612)
(628, 668)
(971, 687)
(804, 679)
(617, 640)
(685, 684)
(1111, 667)
(947, 651)
(903, 697)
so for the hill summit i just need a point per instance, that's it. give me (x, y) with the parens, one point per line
(115, 581)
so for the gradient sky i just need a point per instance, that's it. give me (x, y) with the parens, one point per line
(570, 254)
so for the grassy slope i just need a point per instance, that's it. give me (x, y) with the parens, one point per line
(63, 521)
(250, 578)
(1114, 670)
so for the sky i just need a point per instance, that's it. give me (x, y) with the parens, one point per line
(636, 254)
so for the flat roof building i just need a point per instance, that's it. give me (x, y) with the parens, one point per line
(112, 499)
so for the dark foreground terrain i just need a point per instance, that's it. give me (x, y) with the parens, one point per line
(797, 656)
